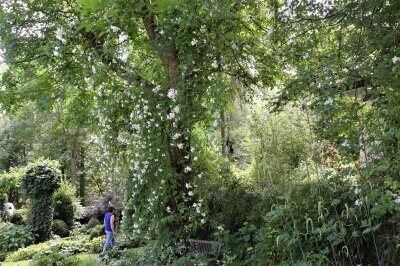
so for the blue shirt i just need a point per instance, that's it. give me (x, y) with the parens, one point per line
(107, 219)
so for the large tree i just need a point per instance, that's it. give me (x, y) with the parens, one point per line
(156, 70)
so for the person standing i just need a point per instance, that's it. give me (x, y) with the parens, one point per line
(109, 223)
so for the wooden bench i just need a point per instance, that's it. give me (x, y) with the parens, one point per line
(211, 248)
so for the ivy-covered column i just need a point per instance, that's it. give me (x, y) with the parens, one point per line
(39, 183)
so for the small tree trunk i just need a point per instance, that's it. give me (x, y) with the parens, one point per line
(82, 175)
(74, 158)
(224, 132)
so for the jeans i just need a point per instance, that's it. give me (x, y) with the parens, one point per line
(110, 241)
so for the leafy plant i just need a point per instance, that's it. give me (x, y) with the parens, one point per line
(17, 218)
(97, 231)
(40, 182)
(97, 243)
(65, 203)
(60, 228)
(73, 245)
(238, 247)
(55, 259)
(13, 237)
(93, 222)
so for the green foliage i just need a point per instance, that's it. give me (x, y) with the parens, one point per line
(9, 186)
(65, 203)
(97, 231)
(13, 237)
(238, 247)
(73, 245)
(332, 220)
(17, 218)
(93, 222)
(3, 200)
(40, 182)
(97, 243)
(41, 179)
(59, 227)
(55, 259)
(16, 138)
(233, 203)
(118, 257)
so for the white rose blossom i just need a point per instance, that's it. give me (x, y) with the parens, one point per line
(194, 41)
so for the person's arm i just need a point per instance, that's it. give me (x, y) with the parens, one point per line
(112, 224)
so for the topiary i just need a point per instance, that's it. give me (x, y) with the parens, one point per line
(64, 208)
(16, 218)
(97, 231)
(39, 183)
(92, 223)
(60, 228)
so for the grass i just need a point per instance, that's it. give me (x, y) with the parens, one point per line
(84, 260)
(18, 263)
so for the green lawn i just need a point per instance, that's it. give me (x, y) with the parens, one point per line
(84, 260)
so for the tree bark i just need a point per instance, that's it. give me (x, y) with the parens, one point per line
(74, 158)
(224, 132)
(169, 59)
(82, 175)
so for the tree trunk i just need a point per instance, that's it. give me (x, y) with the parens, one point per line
(225, 132)
(74, 158)
(82, 175)
(178, 157)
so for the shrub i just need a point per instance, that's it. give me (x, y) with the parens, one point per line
(233, 203)
(17, 218)
(65, 203)
(97, 231)
(71, 245)
(97, 208)
(120, 257)
(60, 228)
(55, 259)
(127, 242)
(3, 200)
(13, 237)
(40, 182)
(96, 244)
(238, 246)
(92, 223)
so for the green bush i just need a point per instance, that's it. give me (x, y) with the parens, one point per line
(73, 245)
(13, 237)
(233, 203)
(96, 244)
(97, 231)
(25, 213)
(55, 259)
(40, 182)
(60, 228)
(17, 218)
(92, 223)
(125, 257)
(3, 200)
(3, 256)
(64, 203)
